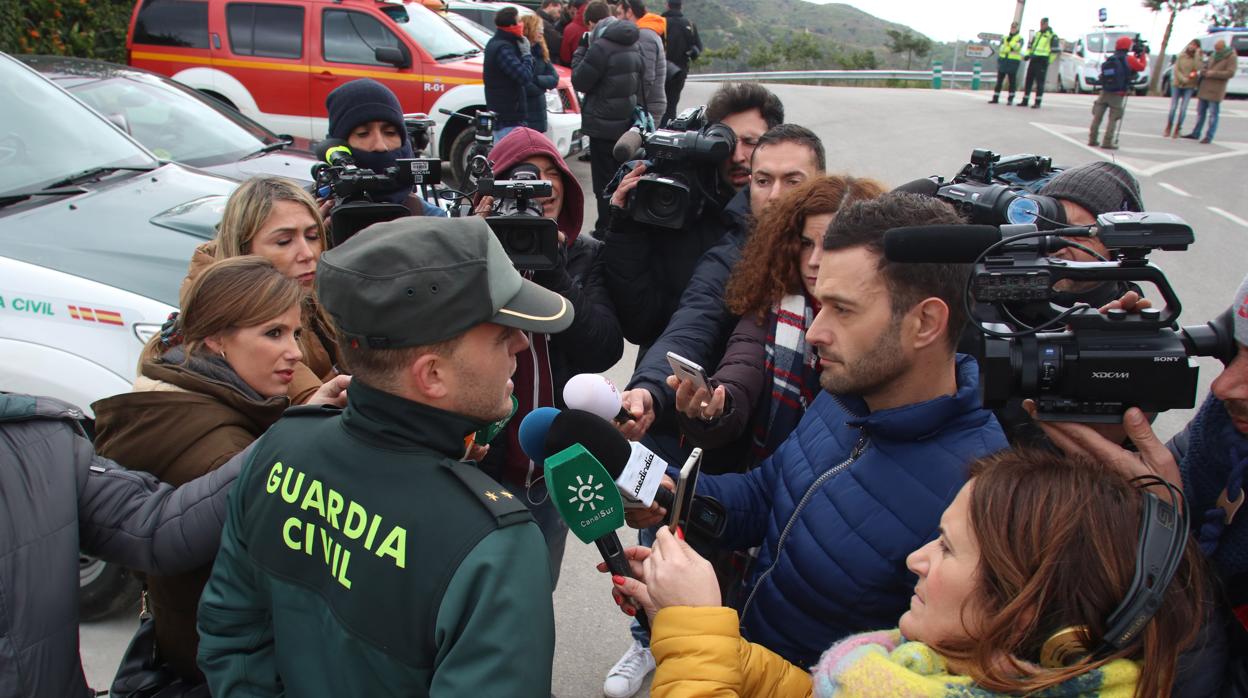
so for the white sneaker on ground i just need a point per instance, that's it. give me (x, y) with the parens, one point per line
(626, 677)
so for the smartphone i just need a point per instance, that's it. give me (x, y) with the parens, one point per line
(686, 486)
(685, 369)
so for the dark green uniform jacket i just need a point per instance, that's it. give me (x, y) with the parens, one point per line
(361, 558)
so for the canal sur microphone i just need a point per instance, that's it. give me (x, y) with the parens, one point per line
(637, 471)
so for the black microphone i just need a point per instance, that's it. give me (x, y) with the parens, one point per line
(614, 451)
(939, 244)
(335, 152)
(924, 186)
(627, 146)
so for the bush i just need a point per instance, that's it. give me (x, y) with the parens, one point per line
(80, 28)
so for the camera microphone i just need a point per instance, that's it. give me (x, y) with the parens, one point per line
(627, 146)
(939, 244)
(925, 186)
(334, 152)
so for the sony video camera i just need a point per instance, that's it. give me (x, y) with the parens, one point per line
(531, 240)
(683, 170)
(356, 189)
(993, 190)
(1081, 365)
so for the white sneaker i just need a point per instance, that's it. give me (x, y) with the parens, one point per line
(626, 677)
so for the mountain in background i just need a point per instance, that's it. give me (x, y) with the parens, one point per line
(796, 35)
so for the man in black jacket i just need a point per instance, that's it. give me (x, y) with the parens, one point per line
(683, 46)
(60, 498)
(609, 76)
(647, 266)
(507, 70)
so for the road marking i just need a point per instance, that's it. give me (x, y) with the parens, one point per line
(1233, 149)
(1176, 190)
(1228, 216)
(1091, 149)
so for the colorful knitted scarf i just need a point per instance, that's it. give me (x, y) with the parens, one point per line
(882, 664)
(792, 367)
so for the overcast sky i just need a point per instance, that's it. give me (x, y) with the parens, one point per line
(947, 20)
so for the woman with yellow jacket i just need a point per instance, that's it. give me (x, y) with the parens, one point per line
(1034, 555)
(273, 217)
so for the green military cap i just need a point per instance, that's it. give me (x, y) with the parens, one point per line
(423, 280)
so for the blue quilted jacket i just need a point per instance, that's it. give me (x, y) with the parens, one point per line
(839, 506)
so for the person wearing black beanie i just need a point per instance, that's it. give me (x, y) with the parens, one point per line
(367, 115)
(1086, 192)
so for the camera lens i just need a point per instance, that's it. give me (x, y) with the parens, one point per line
(524, 241)
(663, 202)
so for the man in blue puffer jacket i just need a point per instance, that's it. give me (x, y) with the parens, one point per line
(876, 458)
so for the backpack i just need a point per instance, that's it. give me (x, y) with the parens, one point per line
(1116, 76)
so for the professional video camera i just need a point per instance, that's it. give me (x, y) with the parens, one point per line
(993, 190)
(356, 189)
(1081, 365)
(682, 171)
(531, 240)
(1139, 46)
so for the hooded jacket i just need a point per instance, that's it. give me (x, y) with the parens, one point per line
(610, 77)
(1219, 70)
(652, 29)
(180, 422)
(57, 498)
(838, 507)
(592, 344)
(572, 36)
(506, 71)
(316, 342)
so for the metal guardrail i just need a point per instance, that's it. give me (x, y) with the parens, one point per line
(935, 74)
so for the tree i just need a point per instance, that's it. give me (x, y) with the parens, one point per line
(911, 44)
(802, 51)
(1229, 13)
(1175, 7)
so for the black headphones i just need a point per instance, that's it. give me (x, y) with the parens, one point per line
(1163, 538)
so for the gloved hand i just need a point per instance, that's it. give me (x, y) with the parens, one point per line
(526, 48)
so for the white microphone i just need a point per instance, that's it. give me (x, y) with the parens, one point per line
(597, 395)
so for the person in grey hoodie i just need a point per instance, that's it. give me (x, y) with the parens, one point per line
(653, 55)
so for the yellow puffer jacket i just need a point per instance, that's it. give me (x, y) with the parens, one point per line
(700, 653)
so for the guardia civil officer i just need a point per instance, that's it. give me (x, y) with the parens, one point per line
(360, 555)
(1007, 63)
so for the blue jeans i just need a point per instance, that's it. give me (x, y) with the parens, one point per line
(501, 131)
(1179, 97)
(1203, 106)
(645, 537)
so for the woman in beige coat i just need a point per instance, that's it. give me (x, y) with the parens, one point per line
(1183, 82)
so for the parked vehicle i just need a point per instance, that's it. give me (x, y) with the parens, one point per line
(482, 12)
(1078, 67)
(276, 60)
(95, 236)
(177, 123)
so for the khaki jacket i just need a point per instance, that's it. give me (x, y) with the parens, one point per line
(178, 425)
(318, 363)
(1184, 66)
(700, 653)
(1218, 72)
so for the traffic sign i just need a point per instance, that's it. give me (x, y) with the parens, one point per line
(979, 51)
(1103, 14)
(989, 36)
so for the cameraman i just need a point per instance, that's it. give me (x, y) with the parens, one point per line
(1209, 461)
(592, 344)
(1117, 75)
(368, 116)
(647, 268)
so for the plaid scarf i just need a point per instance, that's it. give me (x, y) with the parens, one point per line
(792, 367)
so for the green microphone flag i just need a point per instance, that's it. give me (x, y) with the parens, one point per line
(589, 502)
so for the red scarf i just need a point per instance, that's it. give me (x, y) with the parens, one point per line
(515, 30)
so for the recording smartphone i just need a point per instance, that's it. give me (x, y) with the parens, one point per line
(685, 369)
(686, 486)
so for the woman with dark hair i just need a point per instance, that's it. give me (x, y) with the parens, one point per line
(210, 384)
(274, 218)
(768, 373)
(1013, 597)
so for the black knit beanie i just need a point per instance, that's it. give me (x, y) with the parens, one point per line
(1100, 187)
(359, 102)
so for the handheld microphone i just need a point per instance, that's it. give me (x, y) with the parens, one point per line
(636, 470)
(532, 433)
(627, 145)
(582, 493)
(334, 152)
(597, 395)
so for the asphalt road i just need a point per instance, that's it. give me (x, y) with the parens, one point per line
(896, 136)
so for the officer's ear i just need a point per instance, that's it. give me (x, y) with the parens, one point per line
(429, 375)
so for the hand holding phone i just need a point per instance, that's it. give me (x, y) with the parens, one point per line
(685, 369)
(686, 487)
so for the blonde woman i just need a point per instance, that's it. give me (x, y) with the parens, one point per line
(544, 75)
(274, 218)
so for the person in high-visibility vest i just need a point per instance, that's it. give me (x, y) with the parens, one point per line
(1007, 63)
(1040, 52)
